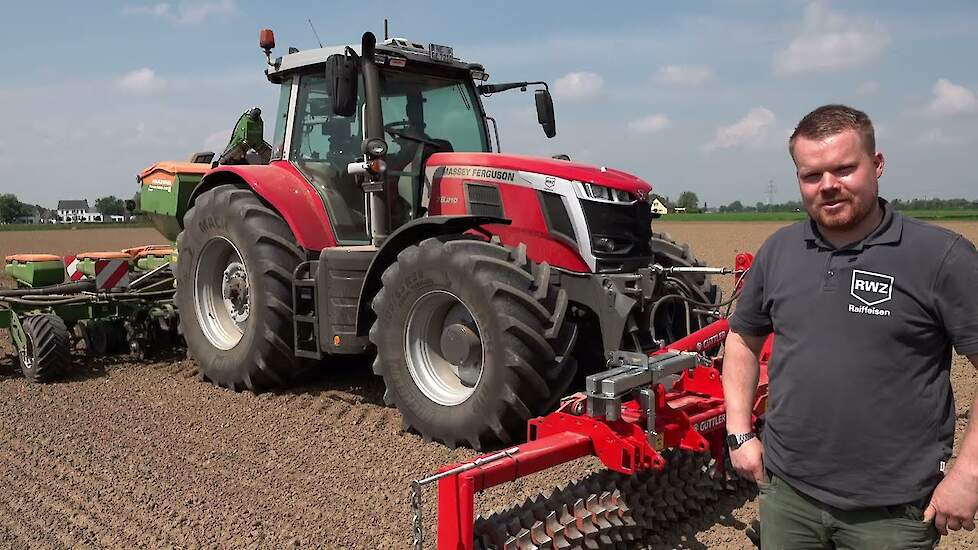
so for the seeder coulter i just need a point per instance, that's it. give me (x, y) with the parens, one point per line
(102, 302)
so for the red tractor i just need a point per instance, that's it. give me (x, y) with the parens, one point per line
(488, 283)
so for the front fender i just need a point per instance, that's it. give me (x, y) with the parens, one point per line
(283, 187)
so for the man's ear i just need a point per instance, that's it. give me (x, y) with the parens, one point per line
(880, 162)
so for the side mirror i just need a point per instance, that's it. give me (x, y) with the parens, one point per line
(545, 112)
(341, 83)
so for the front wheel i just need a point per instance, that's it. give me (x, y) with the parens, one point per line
(471, 341)
(234, 290)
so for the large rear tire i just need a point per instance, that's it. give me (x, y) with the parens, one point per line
(234, 290)
(47, 355)
(471, 341)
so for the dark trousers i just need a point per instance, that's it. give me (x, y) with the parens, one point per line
(791, 520)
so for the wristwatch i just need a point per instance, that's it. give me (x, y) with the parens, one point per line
(734, 441)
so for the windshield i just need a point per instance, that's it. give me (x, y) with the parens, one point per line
(433, 107)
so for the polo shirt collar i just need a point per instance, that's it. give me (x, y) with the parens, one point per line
(889, 231)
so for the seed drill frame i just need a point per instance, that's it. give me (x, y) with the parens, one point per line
(104, 302)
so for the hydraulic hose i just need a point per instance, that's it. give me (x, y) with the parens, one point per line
(65, 288)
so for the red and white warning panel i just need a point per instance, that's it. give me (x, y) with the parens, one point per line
(111, 274)
(71, 268)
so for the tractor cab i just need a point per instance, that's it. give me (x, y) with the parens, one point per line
(428, 103)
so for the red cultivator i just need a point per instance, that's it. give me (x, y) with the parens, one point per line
(656, 422)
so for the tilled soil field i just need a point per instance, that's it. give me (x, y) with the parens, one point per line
(129, 454)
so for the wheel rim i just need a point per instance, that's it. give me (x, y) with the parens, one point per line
(222, 293)
(443, 348)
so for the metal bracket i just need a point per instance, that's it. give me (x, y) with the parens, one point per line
(606, 390)
(18, 335)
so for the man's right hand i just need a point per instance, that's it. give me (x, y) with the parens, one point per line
(748, 460)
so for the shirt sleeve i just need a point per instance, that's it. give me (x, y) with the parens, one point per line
(956, 296)
(753, 314)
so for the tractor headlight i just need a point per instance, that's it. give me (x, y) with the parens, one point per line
(599, 192)
(602, 193)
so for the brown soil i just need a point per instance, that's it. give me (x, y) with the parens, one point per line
(126, 454)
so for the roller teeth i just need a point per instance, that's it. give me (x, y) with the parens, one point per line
(609, 510)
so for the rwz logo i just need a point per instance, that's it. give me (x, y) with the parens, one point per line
(871, 288)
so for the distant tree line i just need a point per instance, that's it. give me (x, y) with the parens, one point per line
(11, 208)
(898, 204)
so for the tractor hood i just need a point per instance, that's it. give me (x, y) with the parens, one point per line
(586, 173)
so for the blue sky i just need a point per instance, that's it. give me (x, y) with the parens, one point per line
(688, 96)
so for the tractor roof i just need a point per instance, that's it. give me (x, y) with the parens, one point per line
(413, 52)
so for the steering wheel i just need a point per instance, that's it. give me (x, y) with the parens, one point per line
(405, 130)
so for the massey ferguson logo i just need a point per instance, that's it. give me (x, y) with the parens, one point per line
(871, 288)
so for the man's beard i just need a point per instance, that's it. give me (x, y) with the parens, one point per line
(848, 218)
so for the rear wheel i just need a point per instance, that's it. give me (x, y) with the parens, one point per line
(235, 269)
(471, 341)
(47, 355)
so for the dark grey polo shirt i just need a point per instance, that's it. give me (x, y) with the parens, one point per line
(860, 411)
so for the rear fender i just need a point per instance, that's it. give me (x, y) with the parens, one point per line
(286, 191)
(409, 234)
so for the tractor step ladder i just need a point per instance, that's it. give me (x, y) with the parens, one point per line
(305, 311)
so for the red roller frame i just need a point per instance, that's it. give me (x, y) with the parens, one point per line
(690, 416)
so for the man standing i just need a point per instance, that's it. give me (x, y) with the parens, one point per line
(865, 305)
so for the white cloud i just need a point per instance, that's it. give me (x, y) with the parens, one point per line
(831, 41)
(156, 10)
(870, 87)
(684, 75)
(578, 86)
(951, 99)
(936, 136)
(140, 81)
(217, 141)
(187, 13)
(753, 131)
(650, 124)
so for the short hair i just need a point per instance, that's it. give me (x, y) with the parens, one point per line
(829, 120)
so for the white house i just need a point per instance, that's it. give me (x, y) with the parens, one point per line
(92, 216)
(72, 211)
(658, 209)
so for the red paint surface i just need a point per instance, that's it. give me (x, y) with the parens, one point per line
(292, 196)
(522, 206)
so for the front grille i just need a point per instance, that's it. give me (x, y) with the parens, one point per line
(484, 200)
(620, 234)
